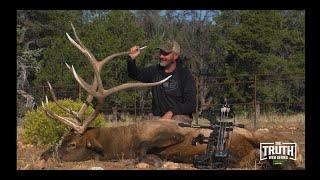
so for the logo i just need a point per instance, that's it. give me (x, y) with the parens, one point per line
(170, 85)
(278, 151)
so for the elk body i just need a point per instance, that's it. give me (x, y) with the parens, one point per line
(163, 138)
(114, 143)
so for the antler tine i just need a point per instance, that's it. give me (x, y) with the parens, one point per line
(84, 84)
(89, 97)
(45, 109)
(68, 66)
(71, 122)
(78, 39)
(68, 121)
(78, 116)
(93, 116)
(88, 54)
(69, 110)
(101, 64)
(132, 85)
(82, 49)
(107, 59)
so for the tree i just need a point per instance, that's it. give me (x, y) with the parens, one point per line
(35, 32)
(231, 44)
(262, 42)
(115, 31)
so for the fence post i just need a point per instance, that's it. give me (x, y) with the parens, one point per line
(43, 93)
(197, 98)
(135, 109)
(79, 87)
(255, 102)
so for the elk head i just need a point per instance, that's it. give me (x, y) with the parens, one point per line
(76, 147)
(76, 140)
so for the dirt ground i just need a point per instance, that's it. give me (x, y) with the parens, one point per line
(28, 159)
(28, 155)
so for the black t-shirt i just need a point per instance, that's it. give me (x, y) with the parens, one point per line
(178, 94)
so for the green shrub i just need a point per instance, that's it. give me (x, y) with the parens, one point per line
(39, 129)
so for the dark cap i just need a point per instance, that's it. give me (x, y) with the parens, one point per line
(170, 46)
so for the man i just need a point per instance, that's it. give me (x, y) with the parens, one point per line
(176, 98)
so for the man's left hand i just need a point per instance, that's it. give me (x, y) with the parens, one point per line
(167, 115)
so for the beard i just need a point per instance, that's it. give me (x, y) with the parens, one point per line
(166, 63)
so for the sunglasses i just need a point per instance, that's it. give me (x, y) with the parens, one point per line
(164, 53)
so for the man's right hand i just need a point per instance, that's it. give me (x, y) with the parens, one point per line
(134, 52)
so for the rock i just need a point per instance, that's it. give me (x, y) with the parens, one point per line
(152, 160)
(293, 128)
(29, 146)
(96, 168)
(143, 165)
(27, 167)
(262, 130)
(41, 164)
(170, 165)
(300, 161)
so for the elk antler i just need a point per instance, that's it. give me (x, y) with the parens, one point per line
(95, 90)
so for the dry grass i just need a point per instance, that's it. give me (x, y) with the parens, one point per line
(291, 126)
(275, 121)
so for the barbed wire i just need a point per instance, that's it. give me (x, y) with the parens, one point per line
(74, 91)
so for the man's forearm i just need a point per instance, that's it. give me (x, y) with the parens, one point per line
(132, 69)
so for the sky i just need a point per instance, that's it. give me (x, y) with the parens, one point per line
(88, 15)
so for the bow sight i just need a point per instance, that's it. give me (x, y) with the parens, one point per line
(218, 142)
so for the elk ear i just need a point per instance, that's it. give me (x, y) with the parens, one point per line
(94, 145)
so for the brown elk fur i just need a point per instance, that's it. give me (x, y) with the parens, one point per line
(164, 138)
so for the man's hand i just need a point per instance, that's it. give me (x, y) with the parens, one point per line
(134, 52)
(167, 115)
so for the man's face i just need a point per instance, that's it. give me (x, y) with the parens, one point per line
(167, 58)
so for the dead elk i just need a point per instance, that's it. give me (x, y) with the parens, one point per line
(165, 139)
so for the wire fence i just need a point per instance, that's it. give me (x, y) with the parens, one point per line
(249, 86)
